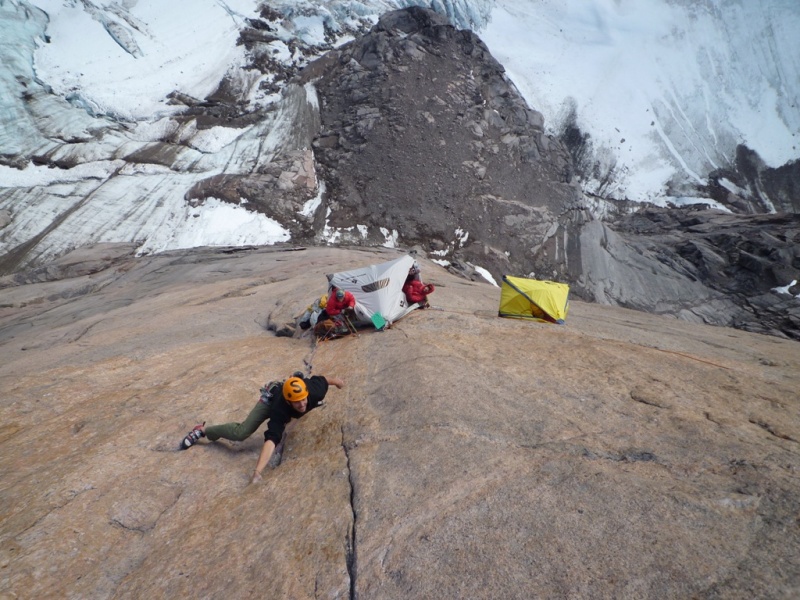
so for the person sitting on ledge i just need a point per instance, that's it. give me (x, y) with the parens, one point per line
(339, 301)
(417, 292)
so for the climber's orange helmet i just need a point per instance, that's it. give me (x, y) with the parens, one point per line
(295, 390)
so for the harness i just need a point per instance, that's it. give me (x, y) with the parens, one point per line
(270, 391)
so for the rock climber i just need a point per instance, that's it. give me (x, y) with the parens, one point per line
(280, 402)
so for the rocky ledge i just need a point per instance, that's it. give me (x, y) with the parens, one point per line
(623, 455)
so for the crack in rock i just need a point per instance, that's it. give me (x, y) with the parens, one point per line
(351, 541)
(772, 430)
(640, 398)
(627, 456)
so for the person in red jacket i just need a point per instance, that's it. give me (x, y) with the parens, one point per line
(417, 292)
(338, 301)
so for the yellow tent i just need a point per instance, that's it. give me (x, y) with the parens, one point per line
(522, 298)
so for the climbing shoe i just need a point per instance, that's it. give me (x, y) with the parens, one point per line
(192, 437)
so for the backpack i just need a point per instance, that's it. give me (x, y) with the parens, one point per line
(330, 328)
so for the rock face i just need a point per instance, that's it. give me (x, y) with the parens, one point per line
(422, 134)
(279, 189)
(621, 455)
(749, 186)
(410, 135)
(424, 140)
(701, 265)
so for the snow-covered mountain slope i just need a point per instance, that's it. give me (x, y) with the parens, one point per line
(666, 90)
(96, 144)
(83, 118)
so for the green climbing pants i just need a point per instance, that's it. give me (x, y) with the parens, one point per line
(240, 431)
